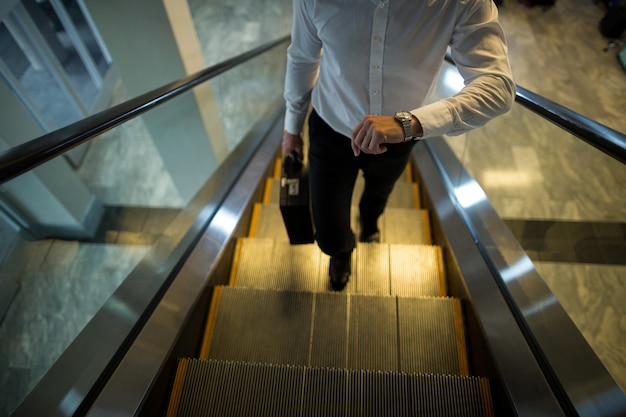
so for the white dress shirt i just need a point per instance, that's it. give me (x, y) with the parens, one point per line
(356, 57)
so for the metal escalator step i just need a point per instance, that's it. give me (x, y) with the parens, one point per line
(372, 269)
(261, 326)
(400, 225)
(404, 194)
(417, 270)
(383, 333)
(325, 393)
(269, 263)
(267, 222)
(210, 387)
(407, 270)
(373, 333)
(397, 225)
(432, 339)
(397, 269)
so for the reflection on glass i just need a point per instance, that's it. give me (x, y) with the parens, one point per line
(77, 13)
(60, 43)
(249, 89)
(35, 78)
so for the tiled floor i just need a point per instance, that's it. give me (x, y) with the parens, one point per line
(557, 53)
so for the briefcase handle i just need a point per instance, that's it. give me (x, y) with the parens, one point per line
(292, 165)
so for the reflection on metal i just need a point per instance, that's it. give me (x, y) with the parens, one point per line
(540, 306)
(469, 194)
(517, 269)
(225, 220)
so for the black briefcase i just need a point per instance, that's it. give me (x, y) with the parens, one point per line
(294, 201)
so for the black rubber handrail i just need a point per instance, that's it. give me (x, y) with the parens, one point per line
(603, 138)
(23, 158)
(609, 141)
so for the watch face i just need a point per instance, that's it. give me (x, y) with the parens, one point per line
(403, 115)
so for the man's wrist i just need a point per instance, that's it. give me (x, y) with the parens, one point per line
(418, 132)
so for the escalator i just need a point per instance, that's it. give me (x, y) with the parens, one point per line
(447, 316)
(279, 341)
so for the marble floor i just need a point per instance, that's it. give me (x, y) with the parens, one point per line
(565, 203)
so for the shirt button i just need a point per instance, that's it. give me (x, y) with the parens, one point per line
(376, 38)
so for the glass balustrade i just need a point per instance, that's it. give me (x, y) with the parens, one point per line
(87, 230)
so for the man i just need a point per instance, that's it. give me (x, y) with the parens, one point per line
(367, 66)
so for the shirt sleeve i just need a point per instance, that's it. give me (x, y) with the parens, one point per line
(478, 47)
(303, 59)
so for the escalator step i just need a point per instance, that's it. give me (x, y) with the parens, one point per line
(417, 270)
(267, 222)
(209, 387)
(404, 195)
(406, 270)
(382, 333)
(269, 263)
(397, 225)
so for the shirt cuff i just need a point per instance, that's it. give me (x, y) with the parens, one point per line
(435, 118)
(294, 122)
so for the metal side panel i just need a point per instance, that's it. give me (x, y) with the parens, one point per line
(242, 389)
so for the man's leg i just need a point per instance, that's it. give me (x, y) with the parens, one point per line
(332, 173)
(381, 173)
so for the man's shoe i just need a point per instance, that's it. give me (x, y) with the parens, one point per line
(369, 237)
(339, 271)
(369, 232)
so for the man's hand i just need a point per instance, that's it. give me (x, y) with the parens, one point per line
(292, 143)
(373, 133)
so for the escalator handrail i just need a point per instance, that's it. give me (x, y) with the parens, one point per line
(24, 157)
(603, 138)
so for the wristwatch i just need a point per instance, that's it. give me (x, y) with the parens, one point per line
(405, 118)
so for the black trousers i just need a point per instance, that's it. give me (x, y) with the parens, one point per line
(333, 170)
